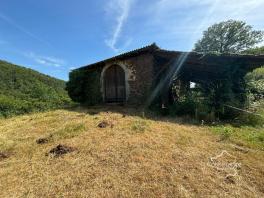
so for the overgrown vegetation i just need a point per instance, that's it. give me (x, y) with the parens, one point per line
(84, 86)
(255, 84)
(221, 98)
(24, 90)
(254, 51)
(249, 136)
(150, 157)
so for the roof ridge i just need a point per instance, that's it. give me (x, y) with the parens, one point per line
(153, 46)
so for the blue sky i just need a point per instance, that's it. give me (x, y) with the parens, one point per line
(55, 36)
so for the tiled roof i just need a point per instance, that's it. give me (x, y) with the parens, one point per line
(153, 48)
(149, 48)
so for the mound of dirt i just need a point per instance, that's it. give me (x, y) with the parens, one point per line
(105, 124)
(42, 140)
(61, 150)
(3, 156)
(230, 180)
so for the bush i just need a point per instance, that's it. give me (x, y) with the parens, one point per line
(255, 84)
(251, 119)
(186, 107)
(226, 133)
(261, 137)
(84, 86)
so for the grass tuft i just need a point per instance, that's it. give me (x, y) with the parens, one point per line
(139, 126)
(69, 131)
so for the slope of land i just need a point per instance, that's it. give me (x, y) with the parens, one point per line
(24, 90)
(125, 156)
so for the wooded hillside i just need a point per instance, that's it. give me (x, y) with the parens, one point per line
(24, 90)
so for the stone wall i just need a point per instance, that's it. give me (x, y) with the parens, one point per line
(139, 77)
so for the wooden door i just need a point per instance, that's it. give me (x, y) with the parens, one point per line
(114, 83)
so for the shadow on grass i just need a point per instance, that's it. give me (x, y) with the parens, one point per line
(130, 110)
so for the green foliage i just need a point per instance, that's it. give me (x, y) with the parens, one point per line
(255, 83)
(228, 37)
(23, 90)
(225, 133)
(84, 86)
(139, 126)
(231, 37)
(219, 93)
(69, 131)
(255, 51)
(250, 119)
(243, 135)
(185, 107)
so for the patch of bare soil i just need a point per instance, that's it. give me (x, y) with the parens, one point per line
(105, 124)
(230, 179)
(42, 140)
(61, 150)
(3, 156)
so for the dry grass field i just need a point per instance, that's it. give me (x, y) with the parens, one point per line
(128, 156)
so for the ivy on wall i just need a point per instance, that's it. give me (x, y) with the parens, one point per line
(84, 86)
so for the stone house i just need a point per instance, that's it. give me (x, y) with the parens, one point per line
(136, 77)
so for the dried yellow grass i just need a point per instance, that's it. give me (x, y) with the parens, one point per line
(137, 157)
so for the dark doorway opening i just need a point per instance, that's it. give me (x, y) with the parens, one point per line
(114, 85)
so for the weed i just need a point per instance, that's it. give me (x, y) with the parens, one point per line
(139, 125)
(261, 137)
(226, 133)
(69, 131)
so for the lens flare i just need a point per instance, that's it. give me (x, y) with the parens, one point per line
(172, 72)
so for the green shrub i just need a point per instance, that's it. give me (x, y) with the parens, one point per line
(139, 125)
(186, 107)
(251, 119)
(10, 106)
(261, 137)
(226, 133)
(84, 86)
(255, 84)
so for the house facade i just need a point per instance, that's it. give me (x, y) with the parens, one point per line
(140, 75)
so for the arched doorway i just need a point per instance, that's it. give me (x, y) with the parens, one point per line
(114, 84)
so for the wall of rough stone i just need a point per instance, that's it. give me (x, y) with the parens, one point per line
(142, 79)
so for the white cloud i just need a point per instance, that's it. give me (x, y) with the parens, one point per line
(45, 60)
(120, 9)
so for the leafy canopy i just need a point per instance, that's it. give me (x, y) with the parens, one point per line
(255, 51)
(228, 37)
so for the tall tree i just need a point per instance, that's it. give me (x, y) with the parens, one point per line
(228, 37)
(255, 51)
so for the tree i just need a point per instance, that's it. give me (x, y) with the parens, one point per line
(228, 37)
(255, 51)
